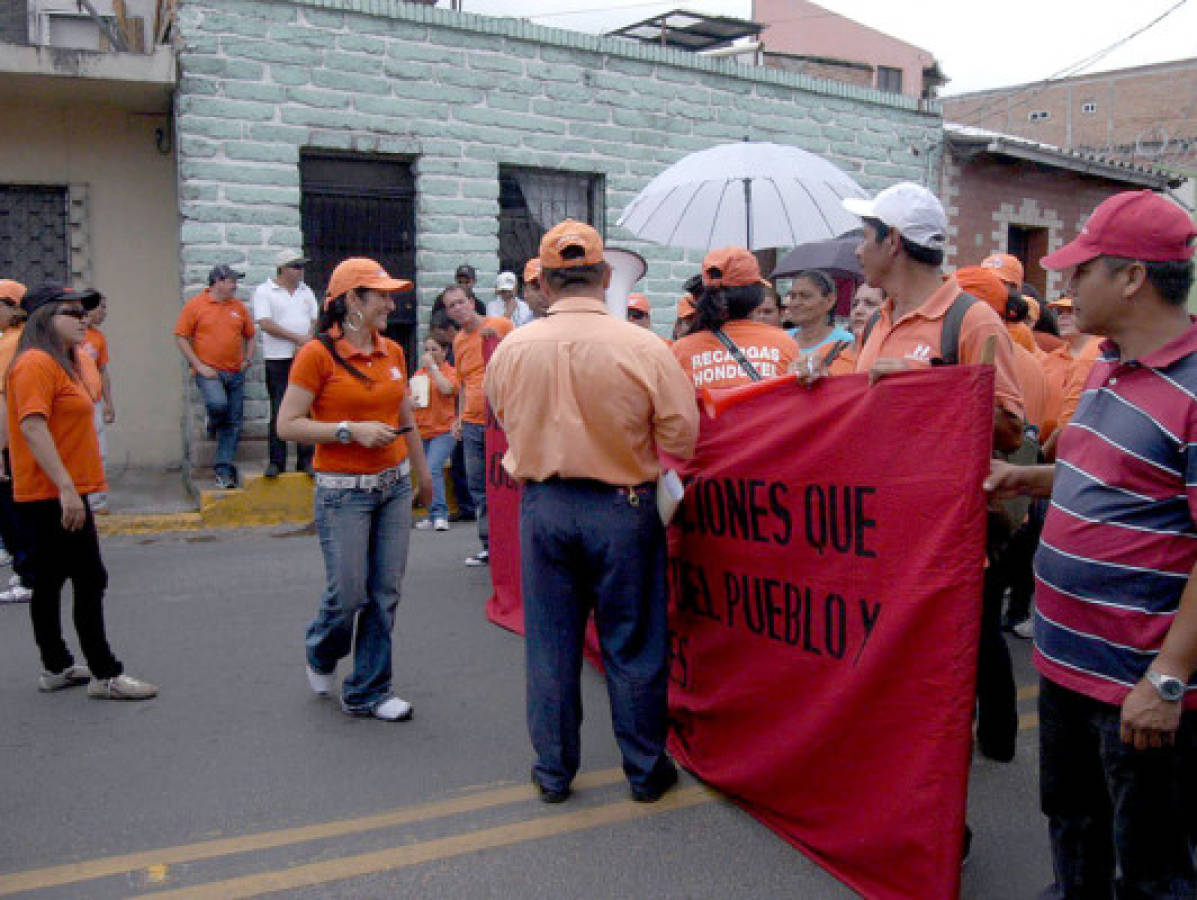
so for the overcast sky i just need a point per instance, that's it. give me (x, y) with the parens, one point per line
(978, 45)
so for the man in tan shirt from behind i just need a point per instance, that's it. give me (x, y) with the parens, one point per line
(586, 401)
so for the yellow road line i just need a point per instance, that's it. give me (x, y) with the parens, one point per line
(1028, 692)
(89, 870)
(441, 848)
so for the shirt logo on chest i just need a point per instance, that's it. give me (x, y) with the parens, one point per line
(921, 353)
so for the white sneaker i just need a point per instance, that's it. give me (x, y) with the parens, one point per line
(441, 524)
(393, 709)
(1025, 629)
(71, 676)
(5, 558)
(320, 682)
(16, 594)
(481, 558)
(14, 580)
(424, 524)
(122, 687)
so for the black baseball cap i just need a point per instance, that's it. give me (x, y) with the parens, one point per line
(219, 273)
(466, 270)
(54, 292)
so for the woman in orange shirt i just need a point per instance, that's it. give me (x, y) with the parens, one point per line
(347, 394)
(55, 466)
(725, 348)
(435, 421)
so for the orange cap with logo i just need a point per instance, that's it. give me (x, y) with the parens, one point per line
(731, 267)
(568, 235)
(12, 291)
(357, 272)
(532, 271)
(639, 303)
(984, 284)
(1007, 267)
(686, 307)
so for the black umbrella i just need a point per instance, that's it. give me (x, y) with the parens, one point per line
(836, 257)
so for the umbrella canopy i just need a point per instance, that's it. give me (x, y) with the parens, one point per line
(836, 256)
(753, 195)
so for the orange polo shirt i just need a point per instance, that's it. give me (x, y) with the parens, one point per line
(1079, 366)
(38, 386)
(915, 339)
(217, 330)
(8, 350)
(844, 362)
(1034, 387)
(95, 345)
(340, 397)
(709, 364)
(471, 367)
(437, 417)
(582, 394)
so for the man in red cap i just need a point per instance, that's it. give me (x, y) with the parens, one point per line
(1116, 598)
(587, 401)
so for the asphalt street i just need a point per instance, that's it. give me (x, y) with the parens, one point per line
(237, 781)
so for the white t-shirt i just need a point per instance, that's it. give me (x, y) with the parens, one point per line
(295, 312)
(498, 309)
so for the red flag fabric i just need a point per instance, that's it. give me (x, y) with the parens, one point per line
(825, 575)
(504, 608)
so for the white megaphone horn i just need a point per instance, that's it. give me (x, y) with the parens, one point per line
(627, 267)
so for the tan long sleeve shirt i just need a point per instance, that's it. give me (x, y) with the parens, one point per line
(584, 395)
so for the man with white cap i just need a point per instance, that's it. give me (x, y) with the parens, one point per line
(506, 304)
(923, 321)
(1116, 571)
(285, 310)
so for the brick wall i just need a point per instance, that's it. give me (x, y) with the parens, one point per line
(460, 95)
(984, 196)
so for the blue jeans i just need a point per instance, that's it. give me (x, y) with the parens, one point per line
(224, 398)
(1123, 822)
(364, 537)
(585, 545)
(474, 440)
(437, 450)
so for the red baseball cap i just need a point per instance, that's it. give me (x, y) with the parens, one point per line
(1134, 225)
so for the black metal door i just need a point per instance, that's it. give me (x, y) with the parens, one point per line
(33, 234)
(354, 205)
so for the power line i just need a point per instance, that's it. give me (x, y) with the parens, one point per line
(1036, 88)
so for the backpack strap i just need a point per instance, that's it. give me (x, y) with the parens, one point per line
(738, 355)
(869, 326)
(949, 337)
(834, 351)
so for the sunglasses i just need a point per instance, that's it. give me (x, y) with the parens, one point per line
(637, 314)
(79, 314)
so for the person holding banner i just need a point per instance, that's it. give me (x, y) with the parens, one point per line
(590, 533)
(1116, 571)
(725, 347)
(348, 396)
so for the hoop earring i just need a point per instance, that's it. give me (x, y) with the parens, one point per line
(361, 320)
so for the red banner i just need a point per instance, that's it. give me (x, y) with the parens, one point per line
(504, 608)
(825, 576)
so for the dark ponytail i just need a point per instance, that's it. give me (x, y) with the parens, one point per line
(718, 305)
(334, 313)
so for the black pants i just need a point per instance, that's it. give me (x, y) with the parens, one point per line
(997, 695)
(58, 555)
(277, 373)
(461, 484)
(1123, 822)
(16, 540)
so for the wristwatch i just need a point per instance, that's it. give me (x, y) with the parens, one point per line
(344, 435)
(1171, 689)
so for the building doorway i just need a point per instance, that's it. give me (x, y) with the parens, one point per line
(1029, 245)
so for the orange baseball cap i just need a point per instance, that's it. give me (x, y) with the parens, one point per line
(686, 307)
(12, 291)
(731, 267)
(359, 272)
(639, 302)
(1061, 303)
(532, 271)
(562, 237)
(1033, 309)
(1007, 267)
(983, 283)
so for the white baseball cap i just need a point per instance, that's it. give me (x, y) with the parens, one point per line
(910, 208)
(506, 281)
(286, 258)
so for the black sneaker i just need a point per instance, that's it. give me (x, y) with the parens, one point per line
(548, 795)
(225, 482)
(657, 787)
(460, 516)
(271, 471)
